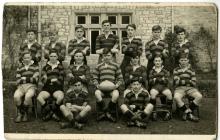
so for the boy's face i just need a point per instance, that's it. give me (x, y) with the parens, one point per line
(106, 27)
(31, 36)
(158, 62)
(184, 62)
(107, 57)
(181, 36)
(53, 57)
(27, 58)
(78, 57)
(79, 33)
(130, 31)
(53, 37)
(78, 86)
(156, 34)
(136, 86)
(135, 60)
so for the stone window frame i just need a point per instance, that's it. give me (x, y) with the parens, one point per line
(118, 27)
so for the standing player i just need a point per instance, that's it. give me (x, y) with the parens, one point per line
(107, 40)
(156, 47)
(183, 45)
(130, 44)
(31, 45)
(79, 42)
(56, 45)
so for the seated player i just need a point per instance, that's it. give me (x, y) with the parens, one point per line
(79, 68)
(185, 84)
(136, 107)
(75, 108)
(27, 77)
(52, 77)
(135, 70)
(158, 81)
(107, 78)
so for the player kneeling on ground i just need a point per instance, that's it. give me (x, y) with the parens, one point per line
(158, 80)
(107, 78)
(136, 107)
(185, 83)
(75, 108)
(27, 77)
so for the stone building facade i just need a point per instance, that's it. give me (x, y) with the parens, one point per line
(64, 18)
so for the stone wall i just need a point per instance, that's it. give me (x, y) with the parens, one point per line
(191, 17)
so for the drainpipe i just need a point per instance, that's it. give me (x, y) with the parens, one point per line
(39, 24)
(29, 16)
(172, 24)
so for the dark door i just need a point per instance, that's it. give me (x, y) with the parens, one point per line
(94, 34)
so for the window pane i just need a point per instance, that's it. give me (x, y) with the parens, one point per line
(94, 19)
(81, 19)
(114, 32)
(112, 19)
(123, 33)
(125, 19)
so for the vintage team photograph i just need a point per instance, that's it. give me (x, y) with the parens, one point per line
(110, 68)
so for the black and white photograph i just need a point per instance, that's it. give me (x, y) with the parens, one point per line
(104, 69)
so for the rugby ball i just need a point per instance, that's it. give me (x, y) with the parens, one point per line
(106, 86)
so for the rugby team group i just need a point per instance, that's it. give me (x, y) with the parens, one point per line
(146, 71)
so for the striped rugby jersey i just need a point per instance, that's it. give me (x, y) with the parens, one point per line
(138, 72)
(134, 45)
(55, 72)
(110, 72)
(187, 76)
(35, 50)
(159, 76)
(79, 71)
(73, 44)
(59, 47)
(102, 42)
(77, 99)
(177, 49)
(154, 49)
(140, 99)
(31, 74)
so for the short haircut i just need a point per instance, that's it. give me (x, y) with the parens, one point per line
(74, 80)
(183, 55)
(131, 25)
(53, 32)
(53, 51)
(159, 56)
(31, 30)
(135, 54)
(72, 61)
(179, 30)
(79, 27)
(106, 21)
(137, 79)
(156, 27)
(25, 52)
